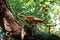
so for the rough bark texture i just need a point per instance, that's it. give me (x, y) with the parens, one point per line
(7, 21)
(2, 11)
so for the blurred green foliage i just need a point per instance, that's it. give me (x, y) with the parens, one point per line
(47, 10)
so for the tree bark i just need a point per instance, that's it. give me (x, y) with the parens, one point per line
(8, 22)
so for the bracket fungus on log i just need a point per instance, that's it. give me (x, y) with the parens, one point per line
(31, 20)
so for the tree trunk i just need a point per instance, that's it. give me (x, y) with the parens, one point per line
(8, 22)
